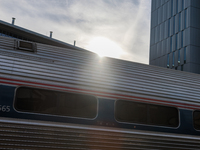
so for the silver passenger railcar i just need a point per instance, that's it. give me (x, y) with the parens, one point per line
(57, 98)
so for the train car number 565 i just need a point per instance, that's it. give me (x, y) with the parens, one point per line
(4, 108)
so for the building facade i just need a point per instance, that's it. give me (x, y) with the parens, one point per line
(175, 34)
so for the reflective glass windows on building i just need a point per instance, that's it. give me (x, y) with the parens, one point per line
(174, 25)
(172, 8)
(169, 28)
(181, 29)
(176, 43)
(182, 39)
(167, 60)
(179, 23)
(182, 4)
(185, 23)
(184, 54)
(170, 44)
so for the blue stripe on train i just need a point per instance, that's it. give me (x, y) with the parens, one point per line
(105, 116)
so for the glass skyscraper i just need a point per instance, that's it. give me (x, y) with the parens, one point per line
(175, 34)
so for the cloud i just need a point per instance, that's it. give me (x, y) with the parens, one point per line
(126, 23)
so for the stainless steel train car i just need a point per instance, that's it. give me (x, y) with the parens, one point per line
(56, 98)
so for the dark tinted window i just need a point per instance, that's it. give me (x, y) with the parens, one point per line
(55, 103)
(196, 119)
(134, 112)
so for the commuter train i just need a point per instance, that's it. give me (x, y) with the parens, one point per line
(58, 98)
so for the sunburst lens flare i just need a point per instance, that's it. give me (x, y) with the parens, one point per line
(105, 47)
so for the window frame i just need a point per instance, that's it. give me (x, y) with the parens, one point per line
(54, 115)
(193, 119)
(160, 126)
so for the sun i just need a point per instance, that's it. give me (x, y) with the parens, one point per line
(105, 47)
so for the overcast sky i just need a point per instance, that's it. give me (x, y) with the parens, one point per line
(112, 25)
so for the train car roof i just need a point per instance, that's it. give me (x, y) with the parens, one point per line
(78, 71)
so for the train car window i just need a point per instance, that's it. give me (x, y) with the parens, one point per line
(55, 103)
(143, 113)
(196, 119)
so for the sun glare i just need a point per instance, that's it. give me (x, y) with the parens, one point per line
(105, 47)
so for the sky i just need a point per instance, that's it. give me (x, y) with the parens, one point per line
(113, 28)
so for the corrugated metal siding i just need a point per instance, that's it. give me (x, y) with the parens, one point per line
(39, 136)
(65, 67)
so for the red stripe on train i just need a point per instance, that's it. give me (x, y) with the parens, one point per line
(154, 101)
